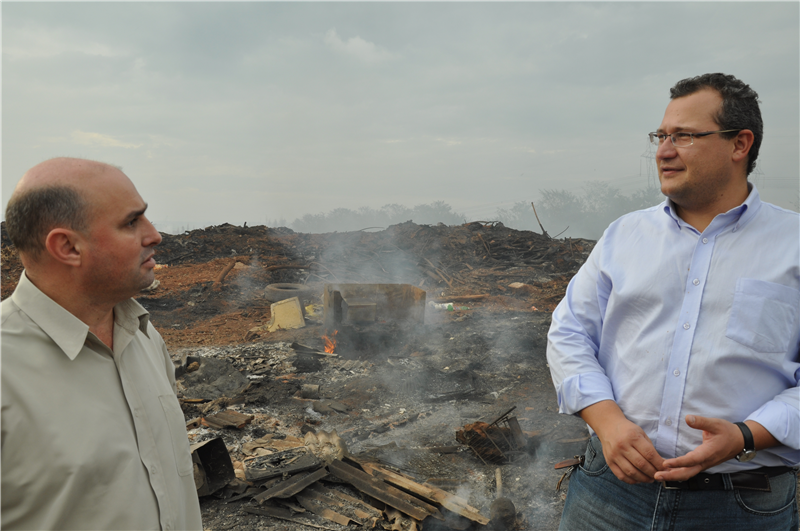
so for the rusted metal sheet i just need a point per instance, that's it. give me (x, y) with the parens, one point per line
(500, 441)
(291, 486)
(516, 432)
(391, 302)
(427, 492)
(212, 465)
(303, 463)
(355, 310)
(386, 493)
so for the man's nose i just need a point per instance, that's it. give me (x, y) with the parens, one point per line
(152, 236)
(666, 150)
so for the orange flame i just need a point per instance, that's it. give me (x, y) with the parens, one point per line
(330, 342)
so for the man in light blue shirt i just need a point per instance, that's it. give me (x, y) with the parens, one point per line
(678, 342)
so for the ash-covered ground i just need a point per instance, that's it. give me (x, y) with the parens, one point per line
(409, 394)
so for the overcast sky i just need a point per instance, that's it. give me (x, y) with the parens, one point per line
(251, 112)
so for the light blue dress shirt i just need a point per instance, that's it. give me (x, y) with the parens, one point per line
(668, 321)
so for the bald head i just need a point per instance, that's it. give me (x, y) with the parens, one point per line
(58, 193)
(62, 171)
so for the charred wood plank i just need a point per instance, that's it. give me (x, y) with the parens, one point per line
(368, 510)
(386, 493)
(291, 486)
(223, 274)
(249, 493)
(427, 492)
(315, 503)
(305, 349)
(485, 245)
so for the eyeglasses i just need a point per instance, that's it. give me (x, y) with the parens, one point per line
(682, 139)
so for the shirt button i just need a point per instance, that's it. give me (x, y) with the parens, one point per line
(668, 422)
(705, 240)
(676, 372)
(695, 282)
(686, 326)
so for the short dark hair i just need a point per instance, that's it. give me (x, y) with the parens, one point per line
(739, 106)
(32, 214)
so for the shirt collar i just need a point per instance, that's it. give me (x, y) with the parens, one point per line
(739, 216)
(66, 330)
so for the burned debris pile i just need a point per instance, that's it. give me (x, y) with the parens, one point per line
(415, 381)
(422, 255)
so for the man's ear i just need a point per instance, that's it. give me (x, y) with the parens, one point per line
(64, 246)
(742, 144)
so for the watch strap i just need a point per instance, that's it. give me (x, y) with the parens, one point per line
(749, 442)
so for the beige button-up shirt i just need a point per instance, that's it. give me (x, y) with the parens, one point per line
(91, 439)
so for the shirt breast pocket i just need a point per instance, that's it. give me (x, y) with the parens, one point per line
(177, 432)
(764, 315)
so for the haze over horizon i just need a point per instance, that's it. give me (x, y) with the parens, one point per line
(258, 111)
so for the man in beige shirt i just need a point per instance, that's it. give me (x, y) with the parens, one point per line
(93, 436)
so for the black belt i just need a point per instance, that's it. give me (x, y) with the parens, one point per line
(757, 479)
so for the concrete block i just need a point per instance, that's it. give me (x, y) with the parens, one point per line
(286, 314)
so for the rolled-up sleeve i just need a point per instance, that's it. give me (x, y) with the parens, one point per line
(781, 417)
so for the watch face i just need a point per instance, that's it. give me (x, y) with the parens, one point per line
(746, 455)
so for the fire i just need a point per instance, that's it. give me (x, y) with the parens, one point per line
(330, 342)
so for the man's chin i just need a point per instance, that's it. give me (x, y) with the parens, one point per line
(147, 281)
(671, 190)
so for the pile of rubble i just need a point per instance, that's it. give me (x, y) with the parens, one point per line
(442, 420)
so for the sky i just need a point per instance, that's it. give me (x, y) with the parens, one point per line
(259, 112)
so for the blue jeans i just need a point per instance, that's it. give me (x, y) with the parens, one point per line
(598, 501)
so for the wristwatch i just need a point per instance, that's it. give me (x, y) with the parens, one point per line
(749, 451)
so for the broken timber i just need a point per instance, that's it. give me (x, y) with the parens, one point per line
(366, 511)
(379, 490)
(427, 492)
(315, 503)
(291, 486)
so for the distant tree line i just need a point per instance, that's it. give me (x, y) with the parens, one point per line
(563, 213)
(585, 214)
(344, 219)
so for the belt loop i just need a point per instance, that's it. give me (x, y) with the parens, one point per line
(726, 480)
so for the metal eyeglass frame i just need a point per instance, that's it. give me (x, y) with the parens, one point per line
(658, 138)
